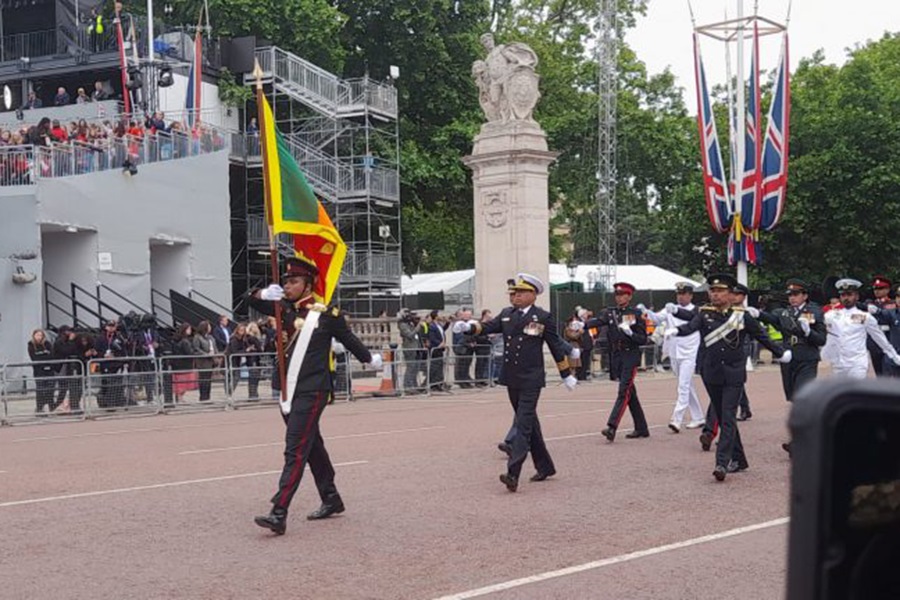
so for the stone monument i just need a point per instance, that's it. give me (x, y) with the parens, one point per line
(509, 165)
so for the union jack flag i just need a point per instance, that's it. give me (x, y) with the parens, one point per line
(195, 79)
(742, 242)
(775, 150)
(715, 185)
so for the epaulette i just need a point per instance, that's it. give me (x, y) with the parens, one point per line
(335, 311)
(317, 306)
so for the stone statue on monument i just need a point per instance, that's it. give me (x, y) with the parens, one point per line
(506, 80)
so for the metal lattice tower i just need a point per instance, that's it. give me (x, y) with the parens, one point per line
(607, 60)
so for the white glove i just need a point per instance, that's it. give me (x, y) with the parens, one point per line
(570, 382)
(377, 361)
(576, 326)
(671, 308)
(273, 293)
(337, 347)
(753, 312)
(671, 332)
(804, 325)
(641, 308)
(873, 310)
(626, 329)
(461, 327)
(786, 357)
(575, 354)
(896, 359)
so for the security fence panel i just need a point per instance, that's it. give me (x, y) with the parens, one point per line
(119, 385)
(252, 377)
(51, 389)
(469, 366)
(196, 381)
(411, 367)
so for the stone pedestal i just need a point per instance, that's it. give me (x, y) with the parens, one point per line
(510, 164)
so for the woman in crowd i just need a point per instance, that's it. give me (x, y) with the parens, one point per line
(205, 349)
(184, 378)
(253, 348)
(40, 351)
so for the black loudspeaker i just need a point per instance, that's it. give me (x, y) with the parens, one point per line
(238, 53)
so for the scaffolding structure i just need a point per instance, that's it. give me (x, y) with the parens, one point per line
(607, 61)
(344, 135)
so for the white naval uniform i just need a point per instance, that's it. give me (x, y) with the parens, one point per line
(847, 332)
(682, 352)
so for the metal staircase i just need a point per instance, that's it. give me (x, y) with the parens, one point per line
(343, 134)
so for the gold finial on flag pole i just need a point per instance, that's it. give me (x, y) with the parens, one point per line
(258, 74)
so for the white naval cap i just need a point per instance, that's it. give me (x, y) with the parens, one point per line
(527, 282)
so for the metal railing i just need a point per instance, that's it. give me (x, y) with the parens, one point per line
(32, 44)
(366, 264)
(323, 90)
(24, 165)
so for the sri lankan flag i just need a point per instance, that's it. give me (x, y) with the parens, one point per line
(292, 207)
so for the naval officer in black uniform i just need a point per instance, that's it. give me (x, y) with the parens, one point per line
(303, 440)
(802, 326)
(525, 328)
(723, 329)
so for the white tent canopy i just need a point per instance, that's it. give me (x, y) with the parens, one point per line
(642, 277)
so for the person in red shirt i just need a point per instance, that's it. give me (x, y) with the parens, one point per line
(59, 133)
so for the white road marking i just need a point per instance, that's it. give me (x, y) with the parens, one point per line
(155, 486)
(329, 438)
(122, 432)
(2, 472)
(614, 560)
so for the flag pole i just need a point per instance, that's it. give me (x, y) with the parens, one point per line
(741, 122)
(273, 240)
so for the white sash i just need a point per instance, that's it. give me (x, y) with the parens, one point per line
(297, 356)
(733, 323)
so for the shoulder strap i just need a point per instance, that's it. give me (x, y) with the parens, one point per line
(297, 357)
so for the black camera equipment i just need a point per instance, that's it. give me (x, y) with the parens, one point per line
(844, 538)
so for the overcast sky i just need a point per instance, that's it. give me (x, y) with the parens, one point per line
(663, 37)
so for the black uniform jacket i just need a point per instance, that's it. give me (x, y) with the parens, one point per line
(619, 341)
(523, 346)
(787, 321)
(316, 371)
(724, 361)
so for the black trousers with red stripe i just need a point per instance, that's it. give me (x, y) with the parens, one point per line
(623, 366)
(303, 444)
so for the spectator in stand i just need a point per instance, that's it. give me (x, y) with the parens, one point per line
(58, 133)
(33, 101)
(5, 137)
(156, 122)
(205, 349)
(62, 97)
(252, 127)
(82, 97)
(99, 94)
(40, 351)
(39, 135)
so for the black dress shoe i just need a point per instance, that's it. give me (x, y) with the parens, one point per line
(744, 416)
(637, 434)
(786, 447)
(736, 467)
(542, 476)
(609, 433)
(510, 481)
(332, 507)
(719, 473)
(505, 448)
(706, 441)
(275, 521)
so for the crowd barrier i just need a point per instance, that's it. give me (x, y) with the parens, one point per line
(108, 387)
